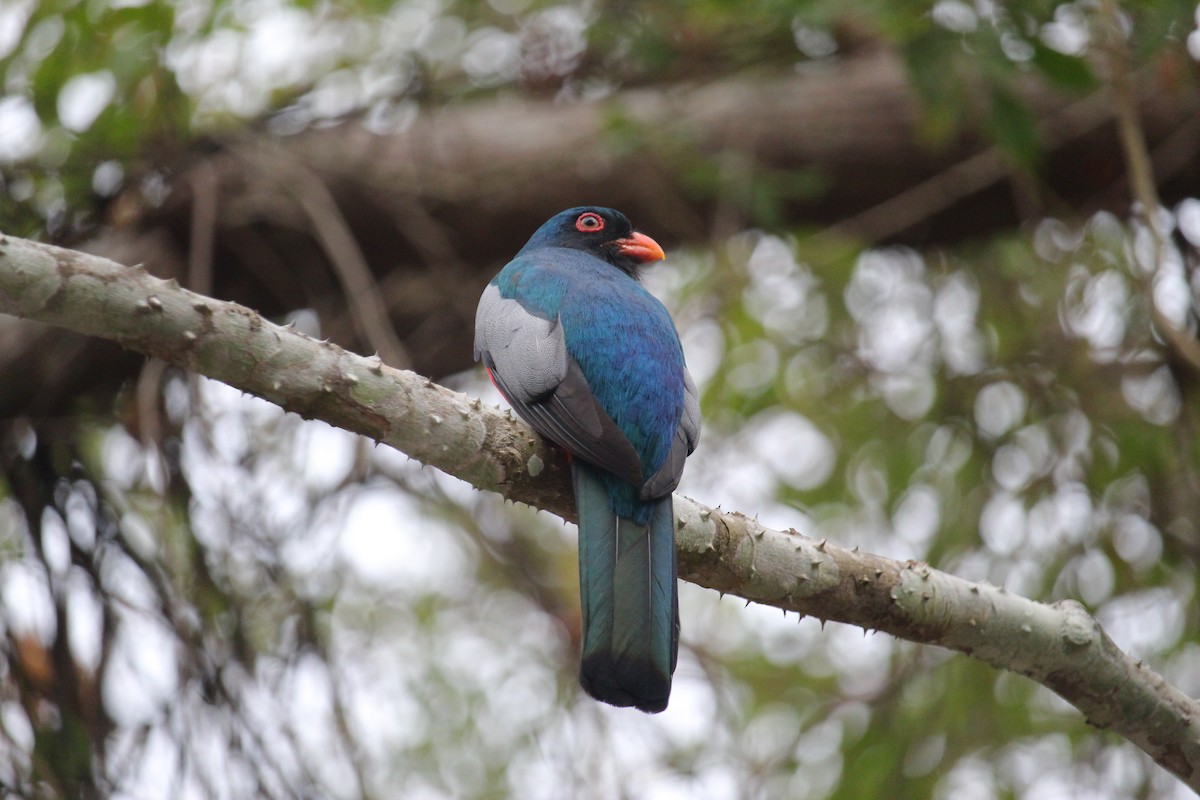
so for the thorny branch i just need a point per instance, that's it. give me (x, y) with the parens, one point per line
(1059, 645)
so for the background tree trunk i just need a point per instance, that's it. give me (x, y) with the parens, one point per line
(433, 208)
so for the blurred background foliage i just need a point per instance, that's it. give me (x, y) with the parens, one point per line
(202, 597)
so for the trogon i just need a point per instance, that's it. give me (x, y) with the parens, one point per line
(592, 361)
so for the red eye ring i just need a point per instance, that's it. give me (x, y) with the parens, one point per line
(589, 223)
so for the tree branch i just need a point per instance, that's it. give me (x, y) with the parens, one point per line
(841, 144)
(1059, 645)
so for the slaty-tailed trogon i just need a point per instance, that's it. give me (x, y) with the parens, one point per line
(592, 361)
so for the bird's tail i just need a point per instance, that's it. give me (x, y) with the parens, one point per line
(629, 597)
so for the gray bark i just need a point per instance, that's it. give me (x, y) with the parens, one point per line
(1058, 645)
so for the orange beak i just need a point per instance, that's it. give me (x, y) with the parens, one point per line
(640, 247)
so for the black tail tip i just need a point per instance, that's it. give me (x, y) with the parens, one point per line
(645, 688)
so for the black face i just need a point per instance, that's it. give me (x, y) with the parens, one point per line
(593, 229)
(588, 227)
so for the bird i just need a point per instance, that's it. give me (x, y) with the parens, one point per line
(593, 362)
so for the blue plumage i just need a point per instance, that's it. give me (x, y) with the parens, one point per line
(622, 338)
(593, 362)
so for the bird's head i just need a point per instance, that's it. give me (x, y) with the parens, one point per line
(603, 232)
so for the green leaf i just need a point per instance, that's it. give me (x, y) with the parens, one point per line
(1069, 72)
(1013, 127)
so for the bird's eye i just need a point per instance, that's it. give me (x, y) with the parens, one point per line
(589, 223)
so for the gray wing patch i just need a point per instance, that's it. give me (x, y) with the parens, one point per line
(687, 436)
(690, 424)
(528, 351)
(528, 358)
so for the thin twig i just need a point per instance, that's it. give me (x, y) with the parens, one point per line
(1124, 109)
(1141, 174)
(204, 181)
(984, 168)
(969, 176)
(368, 312)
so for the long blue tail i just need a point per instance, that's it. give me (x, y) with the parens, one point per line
(629, 597)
